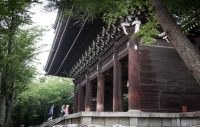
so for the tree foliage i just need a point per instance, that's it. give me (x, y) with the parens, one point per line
(24, 52)
(17, 67)
(17, 50)
(185, 12)
(33, 104)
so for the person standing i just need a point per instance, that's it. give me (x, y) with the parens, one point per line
(62, 112)
(51, 113)
(66, 110)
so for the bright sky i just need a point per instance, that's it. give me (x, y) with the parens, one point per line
(44, 19)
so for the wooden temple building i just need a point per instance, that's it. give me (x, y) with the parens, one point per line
(107, 63)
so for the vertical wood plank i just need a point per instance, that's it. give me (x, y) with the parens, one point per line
(117, 82)
(75, 99)
(133, 72)
(80, 98)
(100, 89)
(183, 99)
(120, 87)
(88, 99)
(161, 99)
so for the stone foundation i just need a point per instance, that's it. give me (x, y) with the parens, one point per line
(127, 119)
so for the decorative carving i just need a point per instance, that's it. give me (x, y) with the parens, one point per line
(98, 45)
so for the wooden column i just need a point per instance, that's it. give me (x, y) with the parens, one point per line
(100, 90)
(88, 98)
(117, 82)
(80, 97)
(133, 72)
(75, 99)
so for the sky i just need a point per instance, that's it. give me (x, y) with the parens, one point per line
(44, 19)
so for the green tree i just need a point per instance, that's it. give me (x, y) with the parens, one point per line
(32, 106)
(16, 52)
(160, 11)
(17, 68)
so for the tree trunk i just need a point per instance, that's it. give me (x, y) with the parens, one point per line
(2, 110)
(174, 33)
(8, 122)
(26, 120)
(6, 87)
(19, 119)
(2, 106)
(0, 76)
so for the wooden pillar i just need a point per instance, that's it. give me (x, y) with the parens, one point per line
(80, 97)
(100, 89)
(133, 72)
(75, 99)
(117, 82)
(88, 98)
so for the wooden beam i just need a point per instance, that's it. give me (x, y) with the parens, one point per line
(133, 72)
(88, 98)
(100, 89)
(75, 99)
(117, 82)
(80, 96)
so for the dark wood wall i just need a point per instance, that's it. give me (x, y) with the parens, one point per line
(165, 82)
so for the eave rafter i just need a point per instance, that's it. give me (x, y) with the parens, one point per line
(99, 45)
